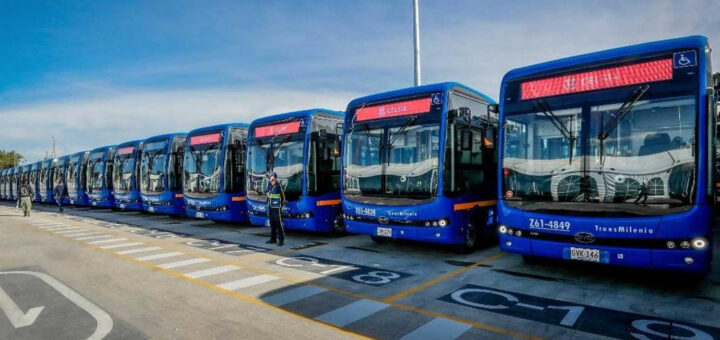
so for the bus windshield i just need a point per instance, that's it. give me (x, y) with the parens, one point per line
(281, 155)
(634, 155)
(152, 167)
(71, 175)
(394, 159)
(123, 172)
(202, 167)
(96, 167)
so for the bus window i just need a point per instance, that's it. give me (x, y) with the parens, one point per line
(235, 161)
(175, 162)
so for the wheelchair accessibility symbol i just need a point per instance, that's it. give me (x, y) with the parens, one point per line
(436, 99)
(684, 59)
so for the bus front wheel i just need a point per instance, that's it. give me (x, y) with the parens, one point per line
(470, 242)
(338, 225)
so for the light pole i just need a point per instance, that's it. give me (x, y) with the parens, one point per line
(416, 31)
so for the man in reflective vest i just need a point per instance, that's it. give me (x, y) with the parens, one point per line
(275, 200)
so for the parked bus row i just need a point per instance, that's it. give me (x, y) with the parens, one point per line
(606, 157)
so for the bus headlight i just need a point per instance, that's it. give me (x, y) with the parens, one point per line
(427, 223)
(435, 224)
(685, 244)
(502, 229)
(699, 243)
(443, 222)
(670, 244)
(510, 231)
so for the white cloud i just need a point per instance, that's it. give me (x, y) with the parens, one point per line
(85, 124)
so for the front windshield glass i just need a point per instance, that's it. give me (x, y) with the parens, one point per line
(645, 156)
(152, 167)
(96, 169)
(201, 170)
(393, 161)
(44, 174)
(280, 155)
(123, 172)
(71, 175)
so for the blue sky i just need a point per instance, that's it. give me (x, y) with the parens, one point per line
(102, 72)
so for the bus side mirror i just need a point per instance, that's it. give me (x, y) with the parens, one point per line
(466, 140)
(493, 108)
(339, 130)
(716, 81)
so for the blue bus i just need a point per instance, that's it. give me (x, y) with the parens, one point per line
(100, 177)
(418, 163)
(303, 148)
(4, 184)
(214, 173)
(608, 157)
(34, 180)
(46, 182)
(126, 174)
(161, 166)
(76, 178)
(59, 168)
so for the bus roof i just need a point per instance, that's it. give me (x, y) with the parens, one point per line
(81, 153)
(695, 41)
(218, 127)
(103, 148)
(447, 86)
(295, 114)
(130, 143)
(165, 136)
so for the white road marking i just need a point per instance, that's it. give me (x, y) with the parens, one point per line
(63, 229)
(183, 263)
(16, 316)
(159, 256)
(93, 237)
(83, 233)
(438, 328)
(53, 227)
(103, 320)
(247, 282)
(121, 245)
(108, 241)
(350, 313)
(212, 271)
(69, 231)
(135, 251)
(520, 304)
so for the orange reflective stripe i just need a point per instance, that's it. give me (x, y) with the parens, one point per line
(717, 184)
(178, 195)
(238, 198)
(470, 205)
(328, 202)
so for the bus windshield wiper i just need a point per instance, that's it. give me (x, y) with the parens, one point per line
(619, 115)
(545, 109)
(402, 131)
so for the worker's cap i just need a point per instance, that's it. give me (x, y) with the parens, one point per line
(273, 174)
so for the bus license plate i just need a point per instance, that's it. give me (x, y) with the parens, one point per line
(199, 215)
(385, 232)
(151, 209)
(584, 254)
(122, 206)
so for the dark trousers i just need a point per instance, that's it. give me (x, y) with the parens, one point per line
(277, 231)
(59, 203)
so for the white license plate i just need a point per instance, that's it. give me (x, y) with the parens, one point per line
(385, 232)
(267, 223)
(94, 203)
(584, 254)
(122, 206)
(199, 215)
(151, 209)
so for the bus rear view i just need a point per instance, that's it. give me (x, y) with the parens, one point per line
(303, 148)
(608, 157)
(214, 173)
(161, 167)
(418, 164)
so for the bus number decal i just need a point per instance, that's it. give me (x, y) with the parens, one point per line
(365, 211)
(536, 223)
(341, 270)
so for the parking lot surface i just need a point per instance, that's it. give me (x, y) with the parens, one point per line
(102, 273)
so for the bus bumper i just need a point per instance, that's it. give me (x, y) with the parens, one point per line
(304, 224)
(695, 261)
(220, 216)
(131, 205)
(80, 202)
(174, 207)
(444, 235)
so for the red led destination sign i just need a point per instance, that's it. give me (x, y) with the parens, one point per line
(205, 139)
(651, 71)
(126, 150)
(397, 109)
(277, 129)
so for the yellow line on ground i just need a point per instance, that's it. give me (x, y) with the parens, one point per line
(440, 279)
(246, 265)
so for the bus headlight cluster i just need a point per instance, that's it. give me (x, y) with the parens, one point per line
(503, 229)
(299, 215)
(697, 243)
(443, 222)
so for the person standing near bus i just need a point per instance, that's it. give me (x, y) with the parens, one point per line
(26, 196)
(276, 200)
(60, 192)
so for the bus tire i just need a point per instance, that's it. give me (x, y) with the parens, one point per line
(338, 227)
(380, 240)
(470, 242)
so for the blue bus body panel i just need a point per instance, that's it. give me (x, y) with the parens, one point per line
(233, 203)
(695, 222)
(323, 208)
(169, 202)
(104, 198)
(441, 207)
(130, 200)
(46, 195)
(78, 197)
